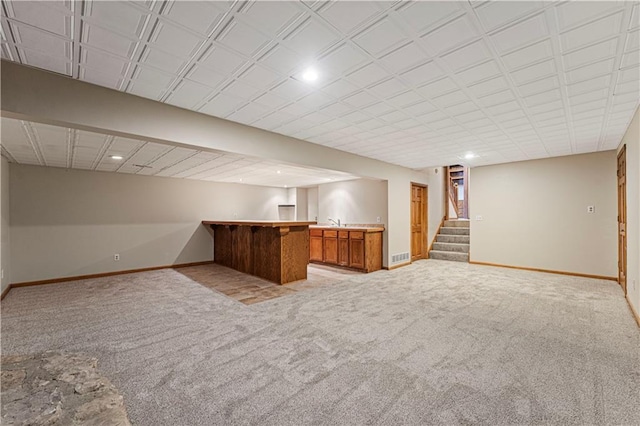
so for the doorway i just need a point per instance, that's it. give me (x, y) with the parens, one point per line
(622, 219)
(457, 192)
(418, 221)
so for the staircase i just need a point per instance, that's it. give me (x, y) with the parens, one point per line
(452, 242)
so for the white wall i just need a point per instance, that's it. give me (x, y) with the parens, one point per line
(71, 222)
(353, 201)
(535, 214)
(632, 140)
(4, 231)
(312, 203)
(301, 204)
(437, 200)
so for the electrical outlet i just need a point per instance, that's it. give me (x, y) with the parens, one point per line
(116, 257)
(235, 215)
(591, 209)
(478, 217)
(378, 219)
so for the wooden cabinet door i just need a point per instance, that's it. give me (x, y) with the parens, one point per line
(315, 248)
(331, 250)
(343, 251)
(356, 253)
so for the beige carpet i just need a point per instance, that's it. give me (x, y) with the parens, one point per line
(432, 343)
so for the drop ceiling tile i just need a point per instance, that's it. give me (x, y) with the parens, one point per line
(355, 117)
(589, 114)
(241, 90)
(377, 109)
(271, 17)
(632, 86)
(221, 60)
(311, 38)
(520, 34)
(273, 120)
(534, 72)
(175, 40)
(538, 109)
(336, 109)
(590, 71)
(479, 72)
(570, 13)
(438, 87)
(487, 87)
(630, 59)
(423, 74)
(341, 59)
(291, 89)
(588, 106)
(467, 55)
(590, 33)
(388, 88)
(470, 117)
(404, 99)
(452, 98)
(120, 17)
(403, 57)
(588, 97)
(271, 100)
(510, 115)
(94, 76)
(146, 89)
(503, 107)
(538, 86)
(454, 33)
(152, 77)
(315, 100)
(558, 113)
(281, 59)
(340, 88)
(359, 99)
(462, 108)
(221, 105)
(635, 17)
(528, 55)
(421, 16)
(590, 54)
(630, 74)
(496, 98)
(205, 76)
(162, 61)
(260, 76)
(371, 124)
(188, 93)
(41, 41)
(40, 15)
(633, 41)
(495, 14)
(249, 113)
(242, 38)
(200, 17)
(108, 41)
(380, 37)
(347, 16)
(589, 85)
(367, 75)
(419, 108)
(107, 64)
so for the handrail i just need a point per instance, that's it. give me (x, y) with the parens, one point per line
(454, 199)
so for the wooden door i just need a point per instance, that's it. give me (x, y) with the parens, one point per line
(418, 222)
(315, 245)
(622, 218)
(330, 244)
(356, 253)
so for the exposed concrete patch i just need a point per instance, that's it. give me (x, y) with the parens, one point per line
(54, 388)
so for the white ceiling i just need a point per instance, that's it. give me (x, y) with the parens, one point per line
(38, 144)
(412, 83)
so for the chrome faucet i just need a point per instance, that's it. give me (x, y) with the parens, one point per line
(336, 223)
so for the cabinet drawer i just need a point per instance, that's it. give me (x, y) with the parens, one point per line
(331, 234)
(315, 232)
(356, 235)
(343, 234)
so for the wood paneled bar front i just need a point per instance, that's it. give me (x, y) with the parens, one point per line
(277, 251)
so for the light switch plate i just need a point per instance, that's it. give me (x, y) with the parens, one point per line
(478, 217)
(591, 209)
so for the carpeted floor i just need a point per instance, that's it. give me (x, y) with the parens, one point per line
(433, 343)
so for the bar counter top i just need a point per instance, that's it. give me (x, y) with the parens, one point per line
(264, 223)
(349, 228)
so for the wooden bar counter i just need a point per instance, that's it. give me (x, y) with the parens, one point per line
(277, 251)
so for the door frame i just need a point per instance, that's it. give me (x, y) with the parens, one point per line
(622, 260)
(425, 222)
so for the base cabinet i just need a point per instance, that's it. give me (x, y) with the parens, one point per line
(359, 249)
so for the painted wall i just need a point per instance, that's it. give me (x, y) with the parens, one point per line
(535, 214)
(301, 204)
(72, 222)
(40, 96)
(312, 203)
(437, 201)
(4, 231)
(632, 140)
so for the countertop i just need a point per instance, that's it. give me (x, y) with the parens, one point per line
(349, 228)
(264, 223)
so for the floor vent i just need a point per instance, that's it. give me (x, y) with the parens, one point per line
(399, 257)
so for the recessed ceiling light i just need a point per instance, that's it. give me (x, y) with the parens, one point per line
(116, 157)
(469, 155)
(286, 186)
(278, 172)
(240, 179)
(310, 75)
